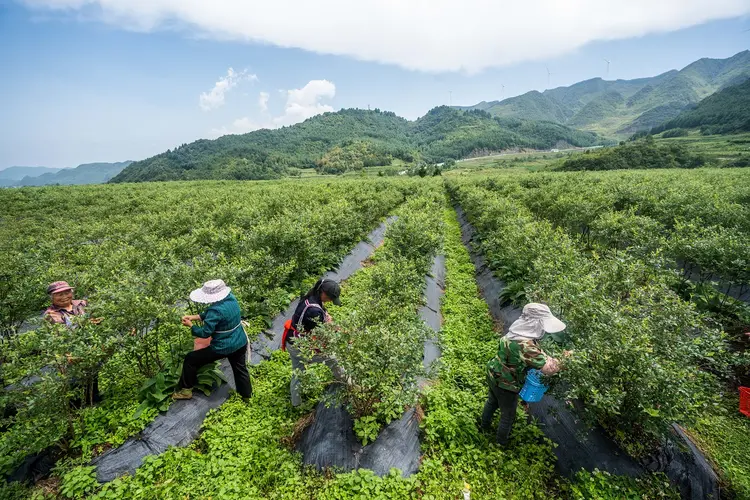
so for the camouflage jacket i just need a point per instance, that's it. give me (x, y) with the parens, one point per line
(63, 316)
(513, 360)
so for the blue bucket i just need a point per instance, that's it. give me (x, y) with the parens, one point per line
(533, 390)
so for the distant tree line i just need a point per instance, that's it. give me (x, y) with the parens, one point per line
(643, 153)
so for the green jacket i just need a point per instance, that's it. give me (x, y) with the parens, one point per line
(513, 361)
(223, 323)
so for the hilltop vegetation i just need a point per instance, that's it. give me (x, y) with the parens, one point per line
(725, 112)
(354, 155)
(351, 139)
(622, 107)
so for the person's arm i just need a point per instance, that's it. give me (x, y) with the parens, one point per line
(313, 317)
(550, 366)
(534, 357)
(210, 319)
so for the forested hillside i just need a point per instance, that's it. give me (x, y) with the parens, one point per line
(351, 139)
(268, 154)
(727, 111)
(622, 107)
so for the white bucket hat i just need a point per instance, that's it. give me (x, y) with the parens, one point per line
(535, 321)
(211, 291)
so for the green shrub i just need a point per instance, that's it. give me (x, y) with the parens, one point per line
(377, 338)
(616, 309)
(675, 132)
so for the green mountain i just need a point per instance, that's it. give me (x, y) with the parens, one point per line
(88, 173)
(330, 140)
(726, 111)
(623, 107)
(11, 175)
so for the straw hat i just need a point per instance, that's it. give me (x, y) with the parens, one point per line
(211, 291)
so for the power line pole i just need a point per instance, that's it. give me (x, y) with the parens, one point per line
(450, 97)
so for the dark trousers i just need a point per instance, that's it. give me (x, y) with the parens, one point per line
(91, 394)
(507, 401)
(195, 359)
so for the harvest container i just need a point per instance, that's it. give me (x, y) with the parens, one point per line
(745, 401)
(533, 390)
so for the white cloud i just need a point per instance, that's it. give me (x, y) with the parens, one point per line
(239, 126)
(304, 103)
(244, 125)
(263, 101)
(215, 97)
(440, 35)
(301, 104)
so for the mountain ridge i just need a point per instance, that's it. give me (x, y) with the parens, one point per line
(441, 134)
(726, 111)
(86, 173)
(11, 175)
(643, 103)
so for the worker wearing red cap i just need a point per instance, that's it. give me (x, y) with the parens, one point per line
(62, 311)
(63, 307)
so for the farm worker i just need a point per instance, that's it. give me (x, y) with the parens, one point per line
(222, 322)
(62, 311)
(517, 353)
(310, 312)
(64, 307)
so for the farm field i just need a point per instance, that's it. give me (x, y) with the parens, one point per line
(635, 281)
(648, 269)
(717, 150)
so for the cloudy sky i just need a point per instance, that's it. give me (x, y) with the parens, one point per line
(110, 80)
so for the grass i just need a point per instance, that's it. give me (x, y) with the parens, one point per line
(725, 439)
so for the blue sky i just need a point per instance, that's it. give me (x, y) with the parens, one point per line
(82, 83)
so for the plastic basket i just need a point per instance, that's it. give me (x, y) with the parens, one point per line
(745, 401)
(533, 390)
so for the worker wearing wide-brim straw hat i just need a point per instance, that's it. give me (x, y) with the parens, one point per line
(517, 353)
(222, 321)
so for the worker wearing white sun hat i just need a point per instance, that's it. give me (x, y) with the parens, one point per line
(517, 353)
(222, 321)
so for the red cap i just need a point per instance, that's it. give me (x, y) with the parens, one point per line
(58, 286)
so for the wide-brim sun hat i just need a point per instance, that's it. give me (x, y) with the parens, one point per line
(211, 291)
(535, 321)
(58, 286)
(549, 322)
